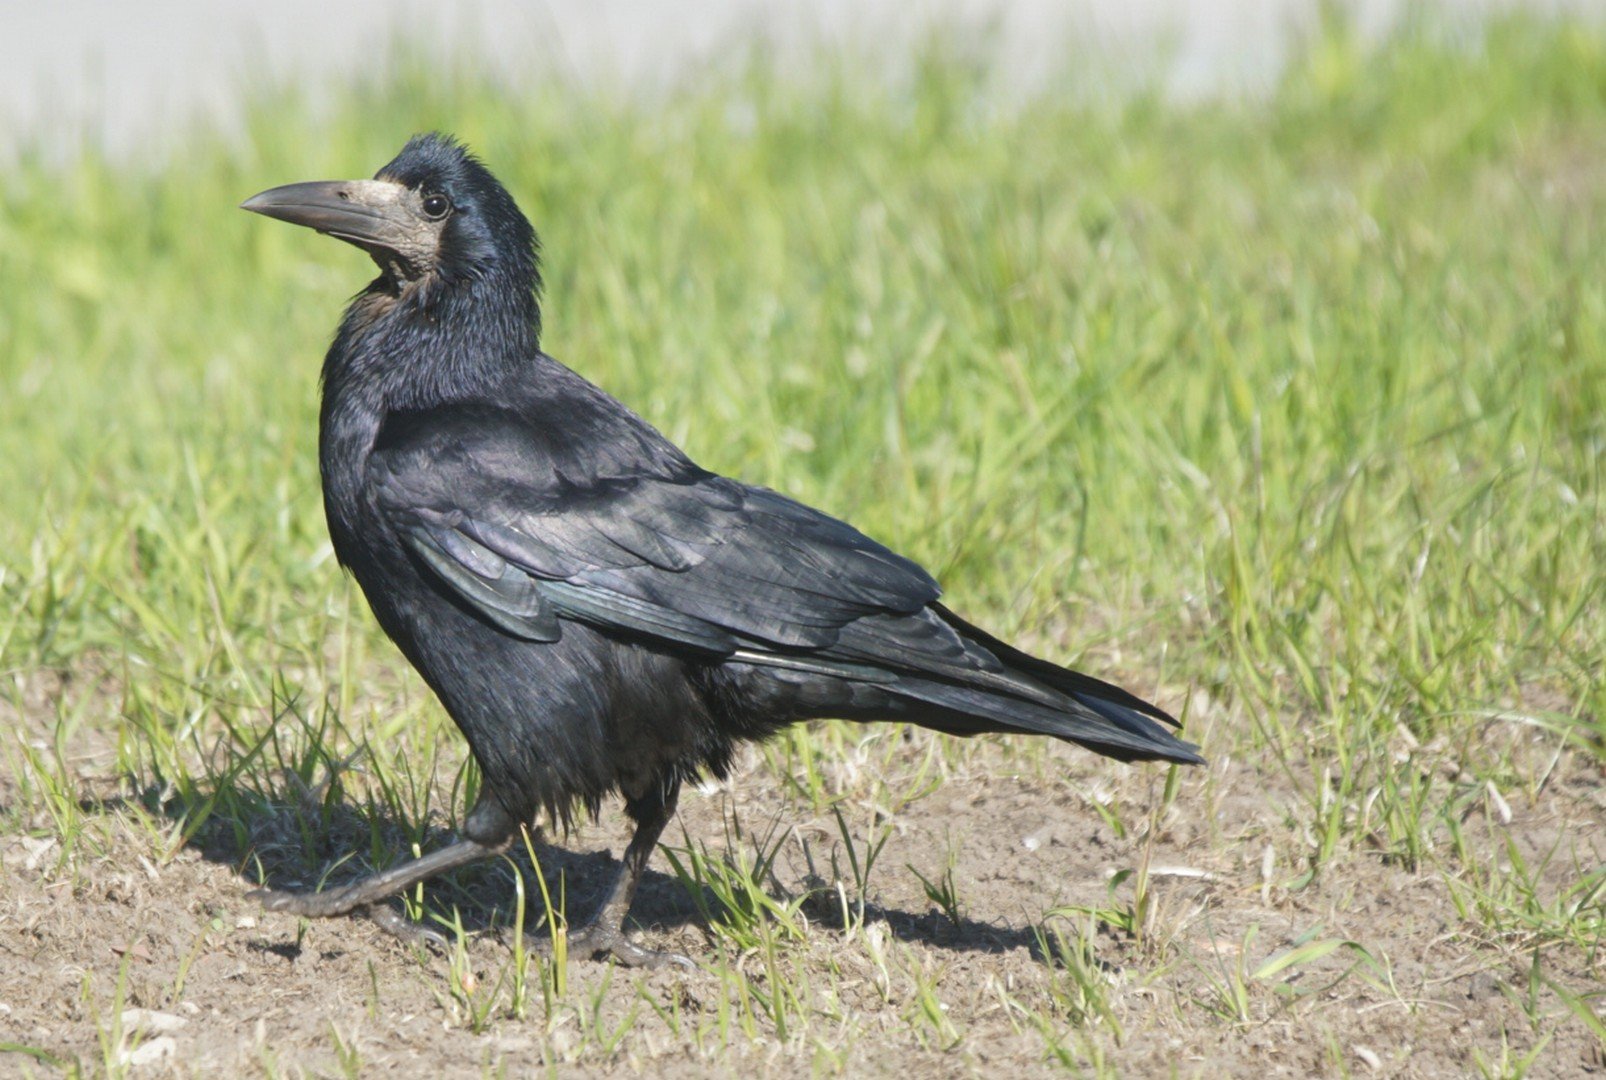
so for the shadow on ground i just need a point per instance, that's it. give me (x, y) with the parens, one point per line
(328, 843)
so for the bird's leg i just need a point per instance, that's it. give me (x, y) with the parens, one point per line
(605, 932)
(488, 830)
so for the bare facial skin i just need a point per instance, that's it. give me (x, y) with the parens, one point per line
(400, 226)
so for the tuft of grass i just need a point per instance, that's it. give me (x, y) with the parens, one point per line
(735, 890)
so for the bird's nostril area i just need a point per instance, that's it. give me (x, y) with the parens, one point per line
(343, 195)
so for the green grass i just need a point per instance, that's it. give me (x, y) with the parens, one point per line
(1293, 409)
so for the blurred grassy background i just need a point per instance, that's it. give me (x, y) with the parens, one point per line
(1302, 397)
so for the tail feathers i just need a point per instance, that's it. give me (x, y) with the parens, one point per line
(1108, 728)
(1063, 679)
(1167, 746)
(1095, 714)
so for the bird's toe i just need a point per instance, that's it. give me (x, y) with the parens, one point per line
(630, 954)
(312, 905)
(398, 925)
(271, 899)
(597, 942)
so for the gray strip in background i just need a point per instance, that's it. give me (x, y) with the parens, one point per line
(128, 72)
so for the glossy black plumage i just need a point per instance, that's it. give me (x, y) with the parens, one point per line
(597, 612)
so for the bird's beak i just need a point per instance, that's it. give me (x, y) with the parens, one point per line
(369, 213)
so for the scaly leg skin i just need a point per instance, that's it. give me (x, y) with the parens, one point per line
(605, 932)
(488, 830)
(400, 926)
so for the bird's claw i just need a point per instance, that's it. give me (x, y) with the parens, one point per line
(398, 925)
(312, 905)
(594, 942)
(322, 905)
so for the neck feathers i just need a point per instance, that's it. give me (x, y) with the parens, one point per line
(416, 345)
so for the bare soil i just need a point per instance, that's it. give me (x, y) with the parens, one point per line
(228, 990)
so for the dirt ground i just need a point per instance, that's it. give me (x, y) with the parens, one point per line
(123, 963)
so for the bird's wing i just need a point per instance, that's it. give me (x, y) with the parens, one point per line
(523, 527)
(679, 555)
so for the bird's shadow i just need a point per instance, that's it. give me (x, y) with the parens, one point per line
(313, 846)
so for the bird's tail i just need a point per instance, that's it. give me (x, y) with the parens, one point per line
(1031, 694)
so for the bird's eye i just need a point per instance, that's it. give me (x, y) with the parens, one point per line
(437, 206)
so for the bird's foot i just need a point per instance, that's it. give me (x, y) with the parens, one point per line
(400, 926)
(312, 905)
(596, 940)
(349, 900)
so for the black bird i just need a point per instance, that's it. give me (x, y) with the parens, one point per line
(596, 611)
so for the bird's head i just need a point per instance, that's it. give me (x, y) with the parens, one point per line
(433, 217)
